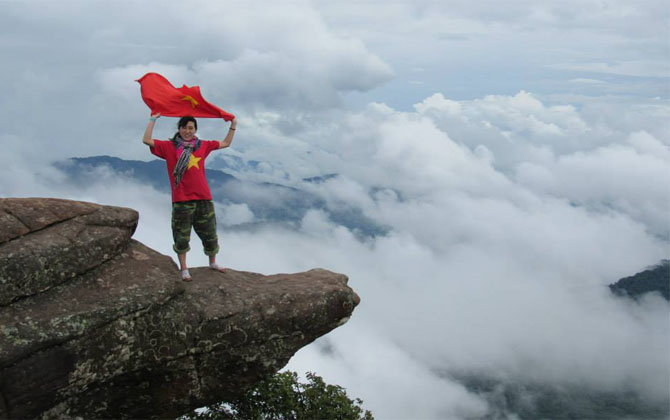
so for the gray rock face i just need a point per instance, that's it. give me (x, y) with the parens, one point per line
(97, 325)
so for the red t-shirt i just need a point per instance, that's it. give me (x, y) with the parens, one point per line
(193, 184)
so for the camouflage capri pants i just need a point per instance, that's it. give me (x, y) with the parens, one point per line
(200, 215)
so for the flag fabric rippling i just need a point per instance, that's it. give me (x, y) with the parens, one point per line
(160, 96)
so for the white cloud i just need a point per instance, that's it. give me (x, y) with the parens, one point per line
(234, 214)
(587, 81)
(521, 114)
(404, 387)
(632, 180)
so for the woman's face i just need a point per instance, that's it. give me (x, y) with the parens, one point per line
(188, 131)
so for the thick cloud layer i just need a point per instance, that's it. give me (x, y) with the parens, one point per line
(490, 270)
(486, 271)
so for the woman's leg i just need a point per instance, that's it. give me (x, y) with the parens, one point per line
(182, 222)
(185, 275)
(182, 261)
(204, 223)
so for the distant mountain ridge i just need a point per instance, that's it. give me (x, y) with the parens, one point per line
(521, 400)
(654, 279)
(153, 172)
(269, 202)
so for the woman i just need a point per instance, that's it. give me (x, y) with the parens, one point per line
(192, 205)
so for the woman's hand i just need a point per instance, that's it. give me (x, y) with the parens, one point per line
(156, 115)
(233, 123)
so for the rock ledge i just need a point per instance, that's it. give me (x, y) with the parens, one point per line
(97, 325)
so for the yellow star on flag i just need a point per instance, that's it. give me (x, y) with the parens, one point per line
(193, 161)
(191, 99)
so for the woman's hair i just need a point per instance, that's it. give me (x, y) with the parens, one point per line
(185, 120)
(182, 123)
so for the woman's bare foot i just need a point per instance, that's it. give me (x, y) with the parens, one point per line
(217, 267)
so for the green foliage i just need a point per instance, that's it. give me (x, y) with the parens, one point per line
(282, 397)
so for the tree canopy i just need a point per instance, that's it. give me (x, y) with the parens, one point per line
(283, 397)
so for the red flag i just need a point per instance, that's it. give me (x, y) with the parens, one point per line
(160, 96)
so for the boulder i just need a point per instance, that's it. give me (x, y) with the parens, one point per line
(45, 242)
(97, 325)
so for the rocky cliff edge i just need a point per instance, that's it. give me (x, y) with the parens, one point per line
(94, 324)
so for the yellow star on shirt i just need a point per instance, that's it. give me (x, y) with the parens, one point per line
(193, 161)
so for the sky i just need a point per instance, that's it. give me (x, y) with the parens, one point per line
(518, 152)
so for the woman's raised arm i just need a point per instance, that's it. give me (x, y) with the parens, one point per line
(229, 137)
(150, 129)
